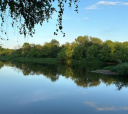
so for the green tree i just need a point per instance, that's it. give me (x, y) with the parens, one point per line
(92, 51)
(125, 43)
(79, 52)
(121, 52)
(25, 49)
(17, 53)
(31, 53)
(96, 41)
(54, 42)
(46, 52)
(26, 45)
(82, 40)
(67, 44)
(69, 52)
(1, 48)
(106, 53)
(62, 55)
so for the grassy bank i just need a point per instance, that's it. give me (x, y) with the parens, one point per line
(82, 61)
(31, 60)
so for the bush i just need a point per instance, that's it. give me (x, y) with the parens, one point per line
(121, 69)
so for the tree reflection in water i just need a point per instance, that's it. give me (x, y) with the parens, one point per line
(81, 75)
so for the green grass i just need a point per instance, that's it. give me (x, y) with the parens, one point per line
(82, 61)
(31, 60)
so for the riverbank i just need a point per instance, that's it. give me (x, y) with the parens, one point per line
(31, 60)
(119, 69)
(95, 63)
(82, 61)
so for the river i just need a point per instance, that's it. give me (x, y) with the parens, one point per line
(58, 89)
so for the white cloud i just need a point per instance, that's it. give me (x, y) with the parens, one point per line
(92, 7)
(125, 108)
(125, 4)
(105, 108)
(86, 18)
(85, 93)
(105, 3)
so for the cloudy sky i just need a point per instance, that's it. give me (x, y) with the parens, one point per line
(107, 20)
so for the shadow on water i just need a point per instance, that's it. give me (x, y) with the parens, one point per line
(81, 75)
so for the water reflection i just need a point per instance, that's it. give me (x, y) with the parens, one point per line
(81, 75)
(105, 108)
(1, 64)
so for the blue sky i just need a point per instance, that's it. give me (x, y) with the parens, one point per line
(107, 20)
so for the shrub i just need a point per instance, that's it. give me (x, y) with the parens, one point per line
(121, 69)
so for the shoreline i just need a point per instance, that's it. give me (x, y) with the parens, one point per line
(81, 61)
(106, 72)
(32, 60)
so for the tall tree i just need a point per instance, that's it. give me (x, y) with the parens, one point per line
(82, 40)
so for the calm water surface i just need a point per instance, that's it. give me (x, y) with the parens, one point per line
(51, 89)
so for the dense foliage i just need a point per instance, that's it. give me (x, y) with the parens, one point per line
(121, 69)
(83, 47)
(26, 14)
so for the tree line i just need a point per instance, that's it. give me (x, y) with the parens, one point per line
(83, 47)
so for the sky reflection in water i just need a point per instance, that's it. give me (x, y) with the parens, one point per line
(60, 89)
